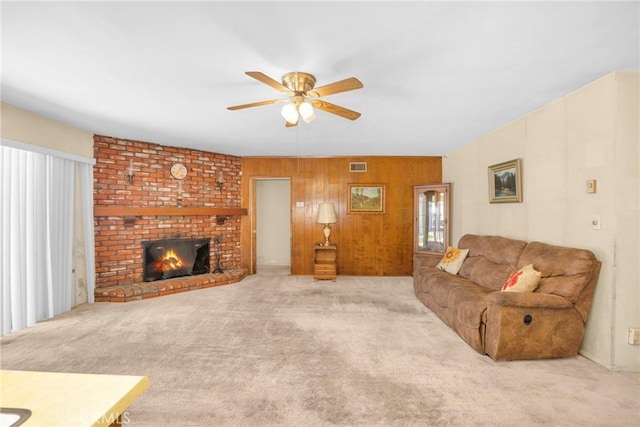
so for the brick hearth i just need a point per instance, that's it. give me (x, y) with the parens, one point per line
(145, 290)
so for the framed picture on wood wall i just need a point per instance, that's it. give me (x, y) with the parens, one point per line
(366, 199)
(505, 182)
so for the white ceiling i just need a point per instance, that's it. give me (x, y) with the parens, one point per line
(436, 75)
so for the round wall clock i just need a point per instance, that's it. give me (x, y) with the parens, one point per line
(178, 171)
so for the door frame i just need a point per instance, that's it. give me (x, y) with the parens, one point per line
(253, 200)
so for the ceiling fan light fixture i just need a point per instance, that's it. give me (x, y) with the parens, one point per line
(290, 113)
(306, 111)
(304, 96)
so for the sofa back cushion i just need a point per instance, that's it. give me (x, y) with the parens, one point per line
(565, 271)
(491, 259)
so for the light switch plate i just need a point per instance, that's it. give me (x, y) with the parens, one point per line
(595, 222)
(592, 185)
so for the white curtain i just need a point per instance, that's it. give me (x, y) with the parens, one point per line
(86, 181)
(37, 232)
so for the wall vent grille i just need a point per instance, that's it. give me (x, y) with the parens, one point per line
(358, 167)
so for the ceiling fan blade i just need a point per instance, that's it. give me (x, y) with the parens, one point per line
(342, 86)
(256, 104)
(335, 109)
(261, 77)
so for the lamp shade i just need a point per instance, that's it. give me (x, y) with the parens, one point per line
(326, 214)
(306, 111)
(290, 113)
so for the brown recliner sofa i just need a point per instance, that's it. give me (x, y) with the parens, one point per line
(546, 323)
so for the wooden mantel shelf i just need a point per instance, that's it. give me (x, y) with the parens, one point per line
(128, 211)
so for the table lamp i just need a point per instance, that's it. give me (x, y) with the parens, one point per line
(326, 216)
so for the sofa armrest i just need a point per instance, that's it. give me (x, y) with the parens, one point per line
(526, 325)
(528, 300)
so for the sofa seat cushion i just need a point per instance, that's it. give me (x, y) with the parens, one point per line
(468, 306)
(439, 284)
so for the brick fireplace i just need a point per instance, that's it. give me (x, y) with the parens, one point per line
(154, 205)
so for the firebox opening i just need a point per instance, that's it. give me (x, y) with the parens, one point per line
(164, 259)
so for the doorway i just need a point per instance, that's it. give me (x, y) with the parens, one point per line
(273, 226)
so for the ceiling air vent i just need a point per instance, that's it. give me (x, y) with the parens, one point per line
(358, 167)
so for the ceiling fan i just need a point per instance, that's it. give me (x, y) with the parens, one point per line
(303, 96)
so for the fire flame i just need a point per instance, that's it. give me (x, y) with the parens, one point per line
(170, 261)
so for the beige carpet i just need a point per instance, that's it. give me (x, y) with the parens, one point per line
(284, 350)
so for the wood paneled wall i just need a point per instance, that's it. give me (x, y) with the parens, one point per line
(368, 244)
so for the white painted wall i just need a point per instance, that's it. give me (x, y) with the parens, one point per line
(31, 128)
(592, 133)
(273, 222)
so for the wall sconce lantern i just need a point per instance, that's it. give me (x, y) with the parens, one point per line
(220, 181)
(129, 176)
(180, 196)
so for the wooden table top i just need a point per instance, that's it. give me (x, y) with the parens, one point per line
(66, 399)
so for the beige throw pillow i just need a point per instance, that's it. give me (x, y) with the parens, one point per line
(452, 260)
(524, 280)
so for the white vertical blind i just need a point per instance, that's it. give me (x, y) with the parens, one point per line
(60, 194)
(86, 187)
(36, 228)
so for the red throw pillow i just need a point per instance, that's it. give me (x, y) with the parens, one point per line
(524, 280)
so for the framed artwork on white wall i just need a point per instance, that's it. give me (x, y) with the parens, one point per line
(505, 182)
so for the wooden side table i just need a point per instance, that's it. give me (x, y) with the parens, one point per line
(325, 263)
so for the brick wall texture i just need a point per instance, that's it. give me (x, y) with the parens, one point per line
(119, 243)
